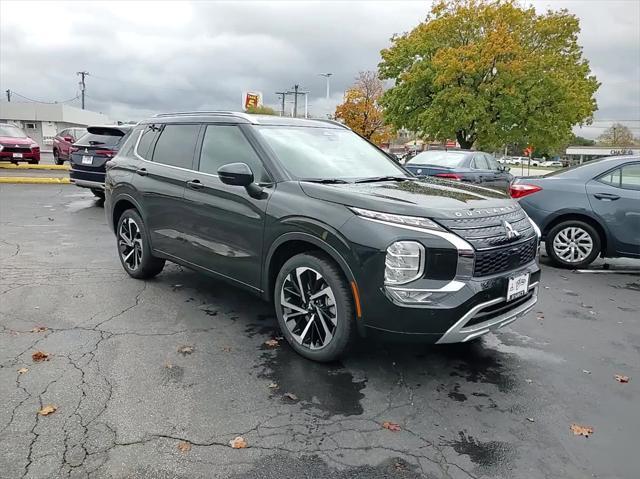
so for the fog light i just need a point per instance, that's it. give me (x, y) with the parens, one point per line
(404, 262)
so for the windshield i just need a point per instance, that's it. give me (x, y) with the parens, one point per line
(324, 153)
(438, 158)
(12, 131)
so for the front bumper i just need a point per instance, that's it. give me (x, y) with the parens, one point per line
(26, 156)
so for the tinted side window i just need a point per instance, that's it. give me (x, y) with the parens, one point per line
(479, 163)
(149, 135)
(224, 144)
(611, 178)
(493, 164)
(63, 133)
(631, 176)
(176, 145)
(129, 142)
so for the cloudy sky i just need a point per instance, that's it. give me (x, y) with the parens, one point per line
(156, 56)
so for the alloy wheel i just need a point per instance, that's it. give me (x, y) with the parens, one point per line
(308, 308)
(572, 244)
(130, 243)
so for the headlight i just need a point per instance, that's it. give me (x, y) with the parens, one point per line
(413, 221)
(404, 262)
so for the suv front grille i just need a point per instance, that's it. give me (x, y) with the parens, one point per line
(498, 260)
(489, 231)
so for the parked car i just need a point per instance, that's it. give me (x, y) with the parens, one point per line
(461, 165)
(92, 151)
(316, 219)
(587, 210)
(62, 143)
(16, 145)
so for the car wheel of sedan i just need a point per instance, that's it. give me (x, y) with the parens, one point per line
(134, 249)
(314, 307)
(56, 158)
(573, 244)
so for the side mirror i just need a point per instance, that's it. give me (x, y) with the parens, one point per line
(68, 139)
(236, 174)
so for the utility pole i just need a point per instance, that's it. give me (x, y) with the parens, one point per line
(296, 91)
(9, 96)
(82, 85)
(282, 95)
(327, 76)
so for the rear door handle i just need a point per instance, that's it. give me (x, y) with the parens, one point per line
(195, 184)
(142, 171)
(606, 196)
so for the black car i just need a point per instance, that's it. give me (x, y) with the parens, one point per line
(461, 165)
(316, 219)
(92, 151)
(587, 210)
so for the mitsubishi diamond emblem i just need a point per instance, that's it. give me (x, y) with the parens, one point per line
(510, 231)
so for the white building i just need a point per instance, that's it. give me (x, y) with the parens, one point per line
(585, 153)
(42, 121)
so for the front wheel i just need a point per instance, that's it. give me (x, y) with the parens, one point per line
(56, 158)
(573, 244)
(134, 249)
(314, 307)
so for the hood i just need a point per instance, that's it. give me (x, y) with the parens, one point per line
(10, 140)
(428, 197)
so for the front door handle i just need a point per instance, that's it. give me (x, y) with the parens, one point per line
(195, 184)
(606, 196)
(142, 171)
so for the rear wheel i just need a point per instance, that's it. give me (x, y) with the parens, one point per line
(56, 158)
(134, 249)
(314, 307)
(573, 244)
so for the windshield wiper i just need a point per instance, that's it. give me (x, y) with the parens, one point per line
(325, 180)
(383, 178)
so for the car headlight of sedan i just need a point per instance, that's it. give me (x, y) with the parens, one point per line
(404, 262)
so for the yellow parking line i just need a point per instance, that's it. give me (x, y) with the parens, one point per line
(11, 166)
(34, 180)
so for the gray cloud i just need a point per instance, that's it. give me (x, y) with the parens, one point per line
(158, 56)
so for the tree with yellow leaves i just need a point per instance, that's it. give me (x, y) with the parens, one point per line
(361, 111)
(490, 72)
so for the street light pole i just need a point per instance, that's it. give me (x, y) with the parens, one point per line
(327, 76)
(282, 95)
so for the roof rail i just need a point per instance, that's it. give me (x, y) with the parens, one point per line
(234, 114)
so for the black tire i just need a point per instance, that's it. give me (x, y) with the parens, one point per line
(556, 236)
(331, 276)
(147, 266)
(56, 158)
(98, 193)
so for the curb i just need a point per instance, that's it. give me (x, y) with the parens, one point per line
(11, 166)
(34, 180)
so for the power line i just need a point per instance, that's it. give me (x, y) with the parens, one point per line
(13, 92)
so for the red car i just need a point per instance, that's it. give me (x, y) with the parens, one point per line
(62, 143)
(16, 146)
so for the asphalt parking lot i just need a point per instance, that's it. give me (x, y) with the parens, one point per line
(129, 404)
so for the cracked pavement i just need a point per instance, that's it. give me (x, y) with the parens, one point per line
(497, 407)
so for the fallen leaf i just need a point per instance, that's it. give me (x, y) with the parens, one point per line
(168, 365)
(586, 371)
(272, 343)
(40, 356)
(238, 443)
(391, 426)
(273, 386)
(22, 370)
(39, 329)
(184, 447)
(291, 396)
(530, 419)
(579, 430)
(48, 409)
(184, 350)
(621, 379)
(226, 349)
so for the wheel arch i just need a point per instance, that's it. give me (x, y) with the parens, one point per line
(580, 216)
(123, 203)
